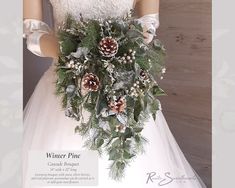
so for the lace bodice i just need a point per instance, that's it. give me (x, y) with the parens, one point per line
(89, 8)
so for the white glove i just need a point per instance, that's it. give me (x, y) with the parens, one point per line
(151, 23)
(33, 31)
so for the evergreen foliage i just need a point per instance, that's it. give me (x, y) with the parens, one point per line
(126, 94)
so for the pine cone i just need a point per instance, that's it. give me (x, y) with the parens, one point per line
(118, 105)
(90, 82)
(108, 47)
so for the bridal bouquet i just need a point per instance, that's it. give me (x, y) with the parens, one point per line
(106, 70)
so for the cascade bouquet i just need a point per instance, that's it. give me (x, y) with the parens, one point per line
(106, 70)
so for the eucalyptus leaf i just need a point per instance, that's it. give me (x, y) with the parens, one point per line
(114, 154)
(116, 143)
(137, 109)
(127, 155)
(100, 142)
(81, 51)
(70, 90)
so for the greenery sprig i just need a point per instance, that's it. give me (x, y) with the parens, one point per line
(105, 69)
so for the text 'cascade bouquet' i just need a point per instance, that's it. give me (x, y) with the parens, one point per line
(105, 68)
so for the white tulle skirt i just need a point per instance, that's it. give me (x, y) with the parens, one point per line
(47, 128)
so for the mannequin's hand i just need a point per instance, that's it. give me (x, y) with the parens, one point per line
(148, 13)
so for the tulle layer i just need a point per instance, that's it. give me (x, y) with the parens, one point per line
(47, 128)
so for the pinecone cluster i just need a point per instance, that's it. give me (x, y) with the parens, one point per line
(90, 82)
(118, 105)
(108, 47)
(128, 57)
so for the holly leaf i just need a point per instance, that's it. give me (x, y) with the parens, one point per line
(138, 129)
(137, 110)
(157, 91)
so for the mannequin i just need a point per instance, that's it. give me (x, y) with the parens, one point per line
(48, 42)
(45, 124)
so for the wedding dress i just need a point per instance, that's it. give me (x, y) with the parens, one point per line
(47, 128)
